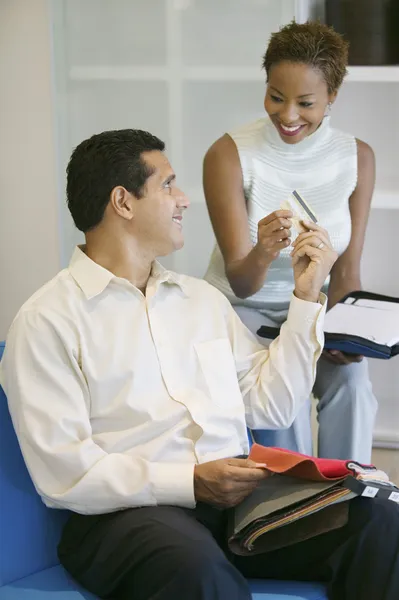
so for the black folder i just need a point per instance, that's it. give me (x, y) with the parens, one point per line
(350, 344)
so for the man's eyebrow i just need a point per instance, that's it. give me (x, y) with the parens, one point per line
(281, 93)
(169, 179)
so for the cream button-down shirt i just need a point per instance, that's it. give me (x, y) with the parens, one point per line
(115, 396)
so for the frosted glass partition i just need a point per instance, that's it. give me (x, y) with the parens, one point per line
(120, 32)
(187, 70)
(356, 111)
(230, 32)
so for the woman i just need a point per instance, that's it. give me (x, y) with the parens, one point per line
(249, 173)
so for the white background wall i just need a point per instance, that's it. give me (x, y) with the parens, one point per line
(29, 241)
(32, 234)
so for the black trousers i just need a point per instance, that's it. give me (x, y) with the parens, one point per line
(170, 553)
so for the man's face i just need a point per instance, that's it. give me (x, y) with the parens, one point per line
(159, 212)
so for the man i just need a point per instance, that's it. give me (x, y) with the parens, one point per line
(130, 389)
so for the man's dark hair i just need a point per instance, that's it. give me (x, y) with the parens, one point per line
(101, 163)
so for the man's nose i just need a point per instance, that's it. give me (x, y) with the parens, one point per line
(182, 200)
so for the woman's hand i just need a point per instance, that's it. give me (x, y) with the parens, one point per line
(274, 234)
(341, 358)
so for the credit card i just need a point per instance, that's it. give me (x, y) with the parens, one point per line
(301, 212)
(305, 206)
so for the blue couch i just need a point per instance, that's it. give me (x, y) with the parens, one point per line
(29, 532)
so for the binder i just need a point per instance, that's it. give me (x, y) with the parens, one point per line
(349, 343)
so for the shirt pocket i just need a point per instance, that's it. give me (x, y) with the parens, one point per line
(218, 368)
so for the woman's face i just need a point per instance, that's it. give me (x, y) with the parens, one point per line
(296, 100)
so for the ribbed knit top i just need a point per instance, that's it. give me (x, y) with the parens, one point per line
(322, 167)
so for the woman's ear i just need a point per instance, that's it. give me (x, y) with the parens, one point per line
(332, 97)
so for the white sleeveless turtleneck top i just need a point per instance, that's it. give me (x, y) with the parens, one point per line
(322, 167)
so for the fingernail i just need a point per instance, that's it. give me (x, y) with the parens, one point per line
(260, 465)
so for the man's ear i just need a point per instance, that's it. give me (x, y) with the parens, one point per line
(122, 202)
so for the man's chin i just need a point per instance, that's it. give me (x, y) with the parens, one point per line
(177, 244)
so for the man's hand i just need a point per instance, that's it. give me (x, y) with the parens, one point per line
(226, 482)
(274, 233)
(312, 260)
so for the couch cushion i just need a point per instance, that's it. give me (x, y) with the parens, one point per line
(51, 584)
(29, 530)
(55, 584)
(286, 590)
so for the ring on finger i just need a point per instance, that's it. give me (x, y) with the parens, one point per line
(321, 245)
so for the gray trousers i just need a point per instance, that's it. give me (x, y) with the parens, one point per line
(346, 407)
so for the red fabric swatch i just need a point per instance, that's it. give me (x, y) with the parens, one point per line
(287, 462)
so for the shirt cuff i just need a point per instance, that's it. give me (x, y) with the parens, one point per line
(173, 484)
(306, 318)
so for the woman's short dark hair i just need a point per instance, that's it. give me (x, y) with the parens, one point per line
(101, 163)
(310, 43)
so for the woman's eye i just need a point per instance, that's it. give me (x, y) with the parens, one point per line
(275, 98)
(306, 104)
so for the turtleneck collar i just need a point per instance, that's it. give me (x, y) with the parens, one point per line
(308, 143)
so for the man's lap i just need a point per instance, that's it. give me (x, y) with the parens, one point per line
(147, 542)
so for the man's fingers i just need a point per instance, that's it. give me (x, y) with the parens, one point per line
(317, 240)
(245, 463)
(315, 254)
(310, 226)
(248, 475)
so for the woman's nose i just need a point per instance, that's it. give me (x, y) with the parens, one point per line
(288, 114)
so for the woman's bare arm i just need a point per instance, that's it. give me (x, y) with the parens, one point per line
(345, 276)
(246, 265)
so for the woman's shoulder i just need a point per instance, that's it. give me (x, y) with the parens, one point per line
(340, 134)
(250, 133)
(364, 151)
(341, 143)
(365, 154)
(237, 142)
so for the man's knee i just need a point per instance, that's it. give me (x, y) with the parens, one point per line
(208, 572)
(378, 515)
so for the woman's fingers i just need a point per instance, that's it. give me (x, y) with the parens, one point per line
(276, 216)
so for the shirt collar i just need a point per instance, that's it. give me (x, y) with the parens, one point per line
(161, 275)
(92, 278)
